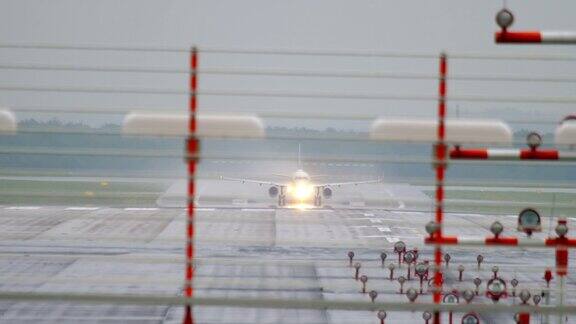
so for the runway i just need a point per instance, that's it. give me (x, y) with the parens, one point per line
(242, 251)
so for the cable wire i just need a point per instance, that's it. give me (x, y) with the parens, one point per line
(286, 72)
(285, 51)
(293, 94)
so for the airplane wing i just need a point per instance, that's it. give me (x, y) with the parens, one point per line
(316, 176)
(338, 184)
(287, 176)
(253, 181)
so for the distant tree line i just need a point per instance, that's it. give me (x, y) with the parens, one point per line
(107, 138)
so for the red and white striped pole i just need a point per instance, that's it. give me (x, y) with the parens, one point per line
(538, 37)
(505, 18)
(440, 153)
(510, 154)
(562, 258)
(192, 148)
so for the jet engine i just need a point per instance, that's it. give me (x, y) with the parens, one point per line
(327, 192)
(273, 191)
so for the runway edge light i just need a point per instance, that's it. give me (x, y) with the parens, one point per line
(173, 124)
(8, 123)
(458, 131)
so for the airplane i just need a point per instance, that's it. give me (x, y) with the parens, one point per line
(300, 189)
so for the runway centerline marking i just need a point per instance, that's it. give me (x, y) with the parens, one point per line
(384, 229)
(82, 208)
(139, 209)
(23, 208)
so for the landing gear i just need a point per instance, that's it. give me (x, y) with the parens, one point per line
(282, 197)
(281, 200)
(318, 198)
(317, 201)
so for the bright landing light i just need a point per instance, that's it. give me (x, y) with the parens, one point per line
(301, 191)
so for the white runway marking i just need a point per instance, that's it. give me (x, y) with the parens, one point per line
(391, 239)
(319, 210)
(401, 204)
(408, 212)
(204, 209)
(377, 220)
(384, 229)
(368, 214)
(408, 229)
(139, 209)
(373, 236)
(23, 208)
(388, 238)
(258, 209)
(482, 216)
(81, 208)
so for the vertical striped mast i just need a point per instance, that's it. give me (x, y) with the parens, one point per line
(192, 148)
(440, 164)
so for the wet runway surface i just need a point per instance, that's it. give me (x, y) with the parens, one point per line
(242, 251)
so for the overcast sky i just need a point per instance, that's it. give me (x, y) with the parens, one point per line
(403, 25)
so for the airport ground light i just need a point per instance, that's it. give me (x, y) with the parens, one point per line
(373, 294)
(505, 19)
(426, 316)
(451, 298)
(364, 280)
(383, 257)
(381, 316)
(496, 287)
(391, 267)
(514, 283)
(529, 220)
